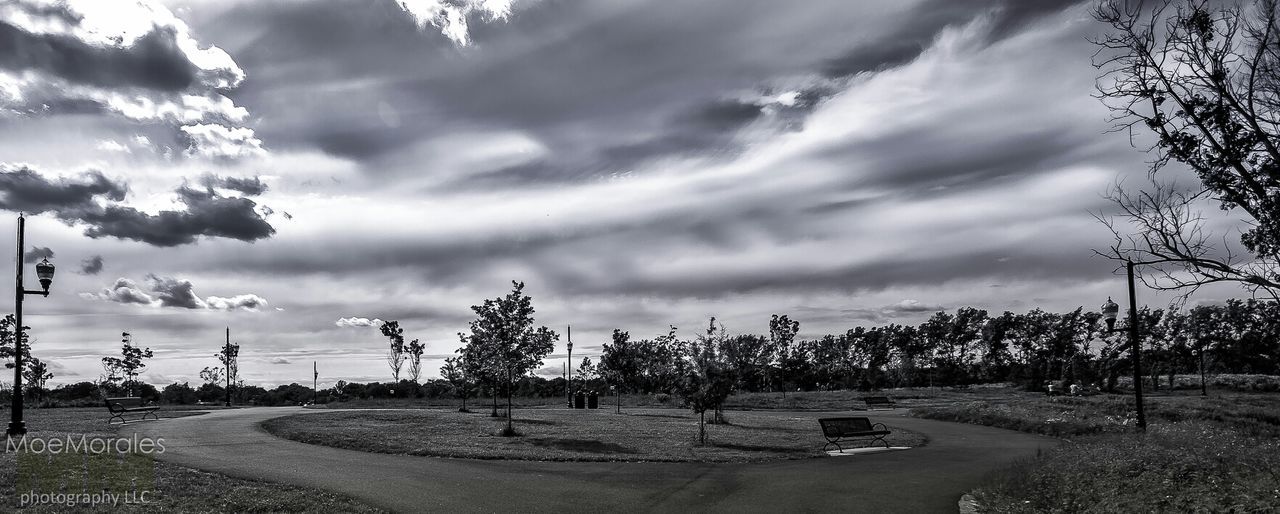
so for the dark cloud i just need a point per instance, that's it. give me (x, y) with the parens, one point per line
(91, 266)
(24, 190)
(207, 213)
(246, 186)
(36, 253)
(172, 292)
(154, 61)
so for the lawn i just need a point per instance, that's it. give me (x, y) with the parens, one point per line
(176, 488)
(1219, 453)
(559, 434)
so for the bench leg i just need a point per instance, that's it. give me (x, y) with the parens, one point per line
(879, 438)
(831, 443)
(116, 416)
(152, 414)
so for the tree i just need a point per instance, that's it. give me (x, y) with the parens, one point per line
(129, 365)
(620, 364)
(211, 375)
(455, 372)
(36, 375)
(6, 340)
(396, 353)
(415, 359)
(782, 337)
(708, 380)
(229, 356)
(1205, 80)
(503, 334)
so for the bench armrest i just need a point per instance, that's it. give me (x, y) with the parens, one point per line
(881, 425)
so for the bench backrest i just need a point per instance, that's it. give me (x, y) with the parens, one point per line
(115, 404)
(836, 427)
(877, 399)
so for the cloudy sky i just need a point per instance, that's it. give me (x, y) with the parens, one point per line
(294, 169)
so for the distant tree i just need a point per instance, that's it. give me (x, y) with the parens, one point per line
(229, 356)
(504, 336)
(620, 364)
(211, 375)
(587, 371)
(782, 338)
(396, 352)
(1204, 78)
(455, 372)
(181, 394)
(37, 375)
(709, 379)
(126, 368)
(414, 350)
(749, 355)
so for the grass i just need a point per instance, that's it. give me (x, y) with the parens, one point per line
(562, 435)
(176, 488)
(1219, 453)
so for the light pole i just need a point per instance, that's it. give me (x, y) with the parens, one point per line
(568, 383)
(1109, 312)
(44, 271)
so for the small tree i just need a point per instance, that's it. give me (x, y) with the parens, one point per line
(129, 365)
(782, 338)
(709, 379)
(620, 364)
(7, 331)
(36, 375)
(211, 375)
(414, 350)
(396, 353)
(456, 373)
(229, 356)
(504, 338)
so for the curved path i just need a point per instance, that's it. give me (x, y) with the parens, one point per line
(926, 479)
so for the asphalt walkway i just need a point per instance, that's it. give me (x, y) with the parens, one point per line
(926, 479)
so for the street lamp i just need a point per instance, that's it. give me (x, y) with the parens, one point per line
(44, 270)
(1109, 313)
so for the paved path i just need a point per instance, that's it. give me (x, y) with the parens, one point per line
(926, 479)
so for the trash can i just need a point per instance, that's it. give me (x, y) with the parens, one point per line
(579, 400)
(593, 400)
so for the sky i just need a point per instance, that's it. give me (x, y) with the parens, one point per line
(297, 170)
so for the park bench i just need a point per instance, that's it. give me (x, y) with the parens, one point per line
(878, 402)
(120, 407)
(840, 429)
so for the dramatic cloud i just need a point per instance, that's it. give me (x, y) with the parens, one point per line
(91, 266)
(246, 186)
(173, 292)
(207, 213)
(36, 253)
(131, 58)
(357, 322)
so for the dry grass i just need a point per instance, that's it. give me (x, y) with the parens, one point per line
(1200, 454)
(587, 435)
(176, 488)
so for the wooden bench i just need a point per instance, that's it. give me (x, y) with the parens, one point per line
(874, 402)
(120, 407)
(839, 429)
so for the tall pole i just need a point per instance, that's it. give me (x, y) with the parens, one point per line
(16, 425)
(568, 384)
(226, 361)
(315, 382)
(1136, 349)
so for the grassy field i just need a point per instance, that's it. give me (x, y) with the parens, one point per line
(176, 488)
(1219, 453)
(591, 435)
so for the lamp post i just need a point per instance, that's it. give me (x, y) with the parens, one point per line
(568, 383)
(1109, 312)
(44, 270)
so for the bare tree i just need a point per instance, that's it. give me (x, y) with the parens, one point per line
(396, 352)
(1205, 80)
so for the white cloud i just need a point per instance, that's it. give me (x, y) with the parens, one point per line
(357, 322)
(222, 142)
(450, 17)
